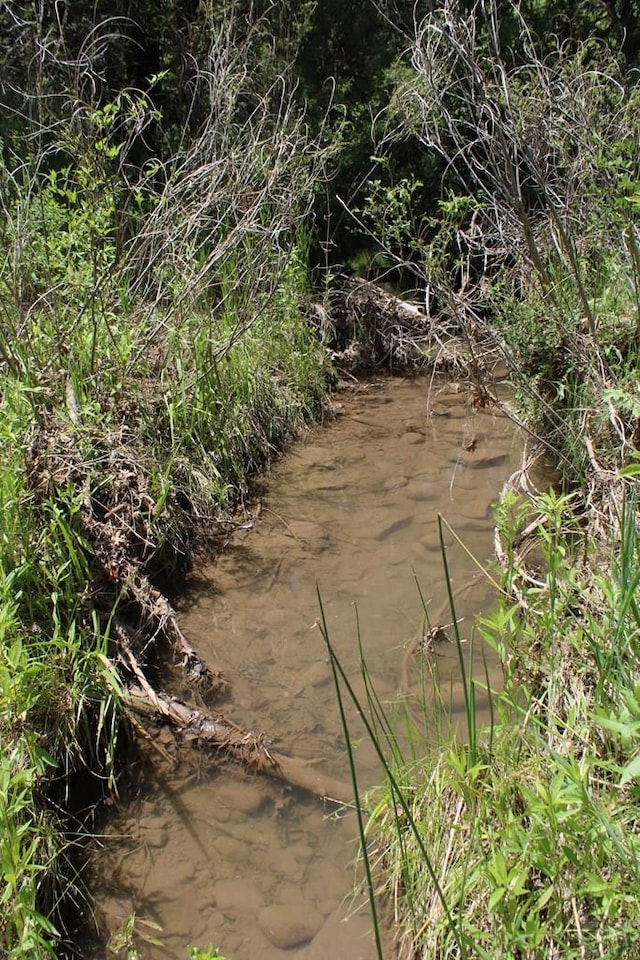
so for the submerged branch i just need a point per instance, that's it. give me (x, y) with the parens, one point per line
(246, 747)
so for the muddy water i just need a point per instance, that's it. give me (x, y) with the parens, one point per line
(247, 864)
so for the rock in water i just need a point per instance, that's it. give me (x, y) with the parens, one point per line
(291, 925)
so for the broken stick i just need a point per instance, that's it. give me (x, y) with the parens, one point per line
(245, 746)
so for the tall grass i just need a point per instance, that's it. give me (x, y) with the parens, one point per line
(380, 730)
(154, 352)
(534, 250)
(522, 841)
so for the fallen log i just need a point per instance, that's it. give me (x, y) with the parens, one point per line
(250, 749)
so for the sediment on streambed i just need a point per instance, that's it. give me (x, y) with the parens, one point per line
(361, 525)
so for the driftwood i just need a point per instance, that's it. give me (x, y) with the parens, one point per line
(366, 295)
(366, 325)
(249, 748)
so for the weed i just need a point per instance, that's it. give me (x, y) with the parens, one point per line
(481, 845)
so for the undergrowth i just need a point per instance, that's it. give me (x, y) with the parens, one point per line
(523, 841)
(154, 353)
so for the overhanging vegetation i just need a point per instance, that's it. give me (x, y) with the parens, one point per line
(523, 842)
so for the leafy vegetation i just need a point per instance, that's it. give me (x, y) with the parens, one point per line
(486, 850)
(522, 842)
(154, 353)
(162, 195)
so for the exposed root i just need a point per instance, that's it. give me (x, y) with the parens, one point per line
(161, 618)
(117, 517)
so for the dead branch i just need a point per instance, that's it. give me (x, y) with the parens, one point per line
(246, 747)
(367, 326)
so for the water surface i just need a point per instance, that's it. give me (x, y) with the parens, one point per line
(213, 856)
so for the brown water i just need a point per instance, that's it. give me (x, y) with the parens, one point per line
(248, 865)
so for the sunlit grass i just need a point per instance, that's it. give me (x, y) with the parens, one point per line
(137, 381)
(522, 841)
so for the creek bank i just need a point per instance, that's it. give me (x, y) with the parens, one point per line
(369, 327)
(108, 500)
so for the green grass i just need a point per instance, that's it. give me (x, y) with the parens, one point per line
(522, 842)
(181, 450)
(148, 367)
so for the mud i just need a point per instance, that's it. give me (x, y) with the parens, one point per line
(349, 515)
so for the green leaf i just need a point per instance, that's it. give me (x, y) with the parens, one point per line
(631, 771)
(626, 729)
(496, 897)
(544, 897)
(596, 886)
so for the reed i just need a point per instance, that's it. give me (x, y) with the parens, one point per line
(480, 843)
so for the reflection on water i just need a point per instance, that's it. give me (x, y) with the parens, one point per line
(246, 864)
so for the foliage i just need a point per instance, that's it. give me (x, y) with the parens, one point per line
(153, 353)
(209, 954)
(532, 255)
(27, 842)
(617, 23)
(481, 844)
(156, 183)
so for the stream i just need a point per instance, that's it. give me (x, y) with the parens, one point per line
(205, 854)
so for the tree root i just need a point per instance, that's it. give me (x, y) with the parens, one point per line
(162, 619)
(117, 517)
